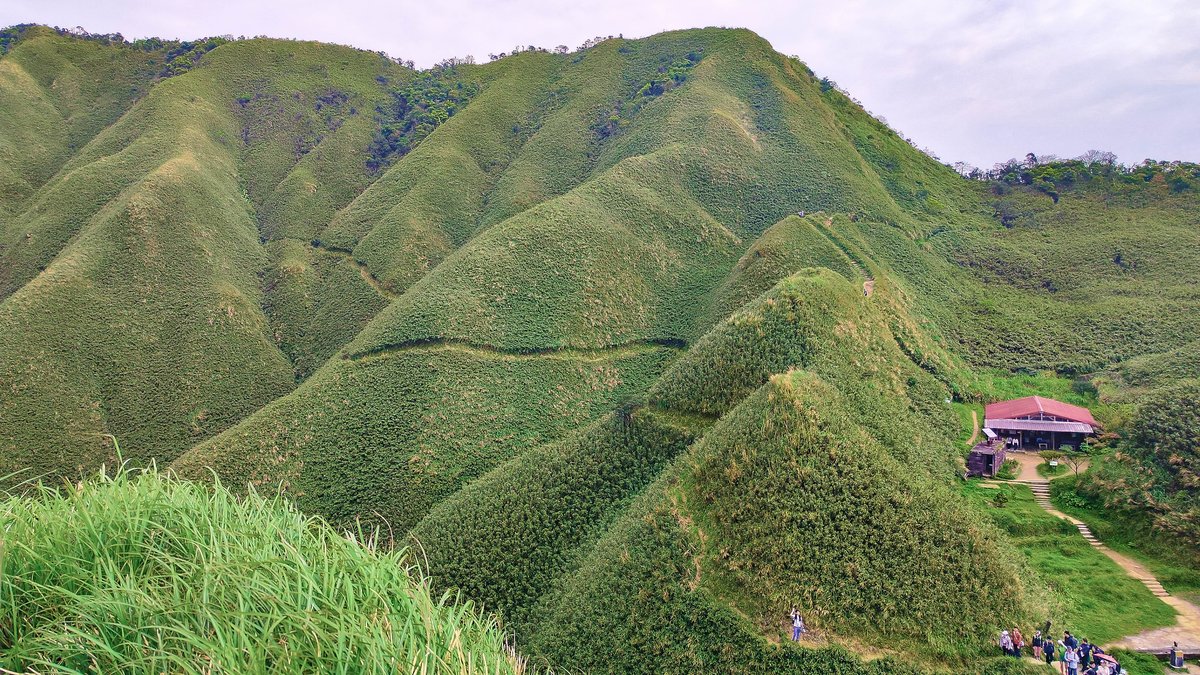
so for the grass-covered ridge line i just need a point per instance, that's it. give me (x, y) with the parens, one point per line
(587, 562)
(575, 311)
(147, 574)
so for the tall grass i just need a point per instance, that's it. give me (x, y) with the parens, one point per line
(149, 574)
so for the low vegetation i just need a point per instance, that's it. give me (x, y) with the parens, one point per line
(1155, 470)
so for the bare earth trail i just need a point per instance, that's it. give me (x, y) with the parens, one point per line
(974, 429)
(869, 279)
(348, 255)
(1186, 630)
(618, 351)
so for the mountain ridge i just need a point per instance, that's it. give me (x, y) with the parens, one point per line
(631, 277)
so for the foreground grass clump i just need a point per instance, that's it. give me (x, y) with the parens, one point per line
(148, 574)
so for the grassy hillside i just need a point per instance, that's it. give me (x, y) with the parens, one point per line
(147, 320)
(385, 437)
(556, 319)
(612, 197)
(142, 574)
(56, 95)
(748, 514)
(504, 539)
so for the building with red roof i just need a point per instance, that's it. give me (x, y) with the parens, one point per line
(1038, 423)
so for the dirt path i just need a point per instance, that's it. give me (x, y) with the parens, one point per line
(1028, 473)
(1186, 630)
(613, 352)
(974, 429)
(852, 258)
(365, 273)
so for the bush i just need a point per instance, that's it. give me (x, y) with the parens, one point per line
(1157, 467)
(1009, 470)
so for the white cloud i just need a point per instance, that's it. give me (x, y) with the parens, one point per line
(978, 81)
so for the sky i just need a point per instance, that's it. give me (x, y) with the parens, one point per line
(974, 81)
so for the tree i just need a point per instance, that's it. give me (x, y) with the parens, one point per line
(964, 169)
(1075, 460)
(1052, 456)
(1101, 157)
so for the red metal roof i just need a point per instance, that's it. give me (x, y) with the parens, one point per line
(1033, 405)
(1039, 425)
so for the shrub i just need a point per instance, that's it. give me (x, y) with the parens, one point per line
(1009, 470)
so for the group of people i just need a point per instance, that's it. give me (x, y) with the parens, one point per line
(1073, 656)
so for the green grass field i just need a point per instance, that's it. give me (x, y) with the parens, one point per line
(1168, 558)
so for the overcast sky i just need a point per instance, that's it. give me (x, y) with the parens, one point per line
(973, 81)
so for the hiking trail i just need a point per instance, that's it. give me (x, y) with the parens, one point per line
(855, 262)
(1186, 630)
(617, 351)
(348, 255)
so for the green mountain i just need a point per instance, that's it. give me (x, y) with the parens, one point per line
(639, 346)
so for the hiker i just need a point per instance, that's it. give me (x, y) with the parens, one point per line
(1037, 644)
(797, 625)
(1085, 653)
(1018, 642)
(1071, 658)
(1006, 643)
(1068, 644)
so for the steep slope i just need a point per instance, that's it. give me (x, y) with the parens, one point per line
(146, 322)
(56, 94)
(623, 262)
(818, 488)
(384, 437)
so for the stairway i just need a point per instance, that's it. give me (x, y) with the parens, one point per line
(1041, 495)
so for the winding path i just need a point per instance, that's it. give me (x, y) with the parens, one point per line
(1186, 630)
(348, 255)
